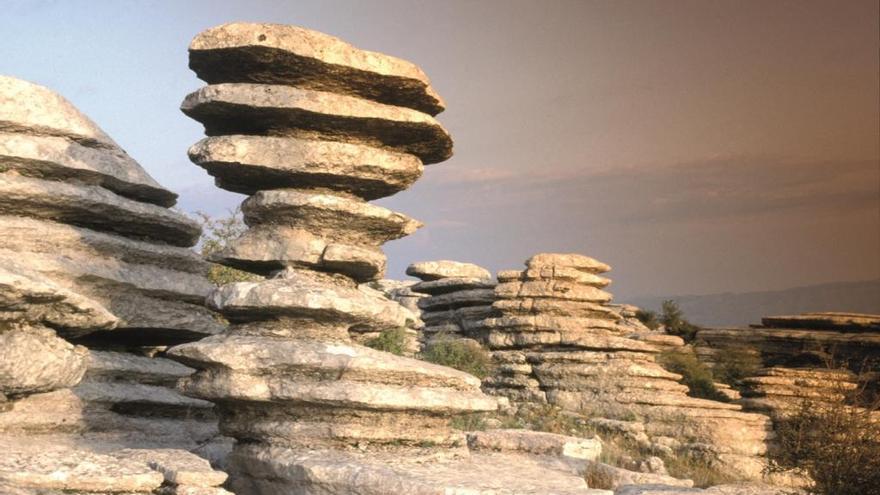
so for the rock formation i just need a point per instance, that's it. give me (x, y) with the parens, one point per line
(312, 128)
(459, 295)
(813, 357)
(401, 292)
(96, 278)
(558, 341)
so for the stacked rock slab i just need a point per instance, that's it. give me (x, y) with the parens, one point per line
(557, 341)
(459, 296)
(312, 128)
(96, 278)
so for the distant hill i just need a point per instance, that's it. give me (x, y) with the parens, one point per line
(741, 309)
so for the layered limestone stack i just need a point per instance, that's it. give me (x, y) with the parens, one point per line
(312, 128)
(459, 296)
(92, 259)
(814, 358)
(558, 341)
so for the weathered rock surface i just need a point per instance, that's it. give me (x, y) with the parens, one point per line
(312, 411)
(247, 164)
(290, 55)
(41, 133)
(273, 110)
(536, 442)
(91, 256)
(458, 296)
(435, 270)
(556, 340)
(33, 359)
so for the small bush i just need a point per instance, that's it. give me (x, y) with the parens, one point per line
(734, 364)
(701, 471)
(463, 355)
(696, 375)
(216, 236)
(836, 444)
(673, 319)
(468, 422)
(392, 340)
(648, 318)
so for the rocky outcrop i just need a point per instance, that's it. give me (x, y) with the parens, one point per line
(312, 128)
(558, 341)
(813, 358)
(96, 278)
(458, 295)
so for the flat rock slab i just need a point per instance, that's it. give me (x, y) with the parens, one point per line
(568, 260)
(265, 249)
(452, 284)
(375, 473)
(236, 108)
(34, 359)
(303, 296)
(62, 159)
(247, 164)
(555, 272)
(841, 322)
(78, 471)
(536, 442)
(46, 236)
(36, 112)
(338, 218)
(555, 289)
(435, 270)
(177, 466)
(291, 55)
(26, 296)
(94, 207)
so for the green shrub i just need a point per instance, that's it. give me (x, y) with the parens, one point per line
(648, 318)
(672, 317)
(836, 444)
(696, 375)
(734, 364)
(216, 236)
(392, 340)
(468, 422)
(463, 355)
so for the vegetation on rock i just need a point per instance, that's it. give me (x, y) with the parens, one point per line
(837, 444)
(648, 318)
(217, 233)
(463, 355)
(695, 374)
(392, 340)
(672, 318)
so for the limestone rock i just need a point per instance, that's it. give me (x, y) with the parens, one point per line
(536, 442)
(33, 359)
(41, 134)
(435, 270)
(853, 322)
(291, 55)
(247, 164)
(237, 108)
(340, 219)
(574, 261)
(94, 207)
(610, 477)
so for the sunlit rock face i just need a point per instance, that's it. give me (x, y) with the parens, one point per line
(97, 277)
(558, 340)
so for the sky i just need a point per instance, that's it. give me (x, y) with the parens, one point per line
(696, 146)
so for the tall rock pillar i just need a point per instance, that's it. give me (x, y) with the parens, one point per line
(312, 128)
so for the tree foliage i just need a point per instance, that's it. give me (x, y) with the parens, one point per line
(672, 317)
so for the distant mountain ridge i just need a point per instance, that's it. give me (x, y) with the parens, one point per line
(740, 309)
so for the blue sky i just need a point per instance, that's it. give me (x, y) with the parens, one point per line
(696, 146)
